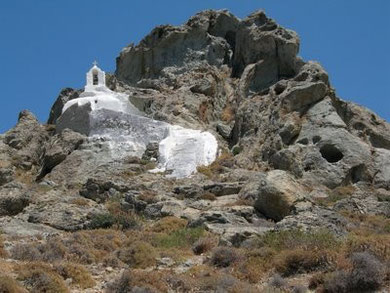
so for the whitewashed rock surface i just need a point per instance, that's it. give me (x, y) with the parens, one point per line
(110, 117)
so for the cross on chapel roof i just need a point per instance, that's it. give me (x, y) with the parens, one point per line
(95, 63)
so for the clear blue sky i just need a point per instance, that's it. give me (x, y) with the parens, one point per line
(46, 45)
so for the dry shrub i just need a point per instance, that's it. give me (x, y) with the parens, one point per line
(240, 202)
(203, 245)
(40, 277)
(138, 255)
(301, 261)
(208, 196)
(111, 261)
(298, 239)
(316, 280)
(52, 250)
(92, 246)
(9, 285)
(369, 224)
(216, 281)
(277, 281)
(169, 225)
(224, 257)
(144, 282)
(25, 252)
(79, 275)
(80, 202)
(3, 252)
(227, 113)
(203, 107)
(367, 275)
(148, 196)
(122, 219)
(378, 245)
(225, 160)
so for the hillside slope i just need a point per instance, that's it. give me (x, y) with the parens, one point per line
(298, 197)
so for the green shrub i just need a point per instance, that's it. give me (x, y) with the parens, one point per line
(103, 220)
(236, 150)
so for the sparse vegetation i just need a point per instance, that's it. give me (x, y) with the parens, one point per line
(224, 257)
(40, 277)
(225, 160)
(169, 225)
(208, 196)
(77, 273)
(139, 254)
(366, 275)
(178, 239)
(203, 245)
(9, 285)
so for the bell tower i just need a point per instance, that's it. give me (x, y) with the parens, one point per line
(96, 78)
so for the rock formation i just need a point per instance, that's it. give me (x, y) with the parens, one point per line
(286, 143)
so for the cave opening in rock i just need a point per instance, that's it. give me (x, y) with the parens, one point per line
(331, 153)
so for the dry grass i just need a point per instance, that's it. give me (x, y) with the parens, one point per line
(225, 160)
(337, 194)
(139, 254)
(9, 285)
(168, 225)
(204, 244)
(92, 246)
(202, 112)
(208, 196)
(80, 202)
(41, 277)
(79, 275)
(228, 113)
(240, 202)
(146, 282)
(148, 196)
(3, 252)
(300, 261)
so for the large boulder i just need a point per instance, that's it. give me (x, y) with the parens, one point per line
(27, 138)
(13, 199)
(65, 95)
(275, 193)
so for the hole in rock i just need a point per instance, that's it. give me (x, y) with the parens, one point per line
(303, 141)
(358, 173)
(316, 139)
(330, 153)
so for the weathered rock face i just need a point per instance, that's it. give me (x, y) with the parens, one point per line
(286, 139)
(214, 38)
(27, 138)
(66, 95)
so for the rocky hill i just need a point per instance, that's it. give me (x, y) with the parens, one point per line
(297, 199)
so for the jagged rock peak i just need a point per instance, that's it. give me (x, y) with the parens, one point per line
(215, 38)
